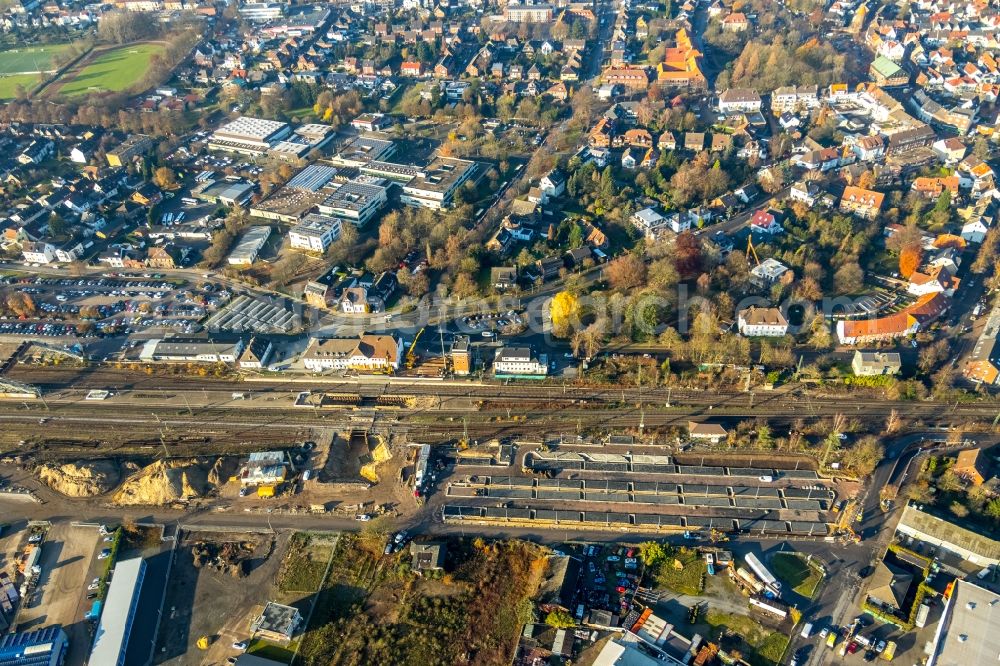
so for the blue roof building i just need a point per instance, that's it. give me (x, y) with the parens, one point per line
(44, 647)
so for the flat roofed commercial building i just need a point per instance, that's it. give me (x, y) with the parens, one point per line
(362, 150)
(249, 246)
(967, 632)
(192, 350)
(44, 647)
(315, 232)
(355, 202)
(248, 136)
(435, 186)
(111, 639)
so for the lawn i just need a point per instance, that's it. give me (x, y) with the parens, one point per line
(9, 84)
(796, 573)
(115, 70)
(279, 653)
(304, 565)
(686, 578)
(29, 59)
(763, 647)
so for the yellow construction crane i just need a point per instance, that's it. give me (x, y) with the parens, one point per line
(411, 354)
(751, 251)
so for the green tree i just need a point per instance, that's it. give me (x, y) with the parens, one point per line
(560, 619)
(993, 508)
(652, 553)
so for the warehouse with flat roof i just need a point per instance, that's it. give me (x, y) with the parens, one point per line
(967, 633)
(44, 647)
(355, 202)
(111, 638)
(436, 184)
(248, 136)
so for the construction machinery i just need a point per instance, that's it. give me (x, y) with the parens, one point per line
(411, 353)
(751, 251)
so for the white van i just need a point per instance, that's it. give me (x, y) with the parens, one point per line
(807, 630)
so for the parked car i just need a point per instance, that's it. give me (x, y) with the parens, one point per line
(104, 554)
(240, 645)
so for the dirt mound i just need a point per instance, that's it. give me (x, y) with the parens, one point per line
(164, 483)
(86, 479)
(223, 470)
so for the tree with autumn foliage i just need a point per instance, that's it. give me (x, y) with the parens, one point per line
(909, 260)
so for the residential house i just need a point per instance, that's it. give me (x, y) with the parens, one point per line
(871, 364)
(805, 191)
(519, 361)
(973, 466)
(426, 556)
(713, 432)
(765, 222)
(767, 273)
(762, 322)
(735, 22)
(694, 141)
(861, 202)
(38, 252)
(888, 586)
(503, 278)
(792, 99)
(277, 623)
(739, 100)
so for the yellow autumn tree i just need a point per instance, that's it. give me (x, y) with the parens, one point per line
(564, 311)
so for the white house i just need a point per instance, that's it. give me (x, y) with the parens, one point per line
(369, 352)
(739, 100)
(38, 252)
(553, 184)
(762, 322)
(519, 361)
(649, 221)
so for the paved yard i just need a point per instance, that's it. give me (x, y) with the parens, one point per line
(68, 558)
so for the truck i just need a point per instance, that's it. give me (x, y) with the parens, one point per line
(831, 639)
(771, 583)
(890, 651)
(921, 620)
(710, 563)
(749, 580)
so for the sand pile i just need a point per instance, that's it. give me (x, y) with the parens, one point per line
(164, 483)
(85, 479)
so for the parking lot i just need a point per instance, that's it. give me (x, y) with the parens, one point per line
(84, 307)
(68, 562)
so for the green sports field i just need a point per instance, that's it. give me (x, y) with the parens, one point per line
(115, 69)
(9, 84)
(29, 59)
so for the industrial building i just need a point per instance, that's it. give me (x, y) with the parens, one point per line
(111, 639)
(264, 468)
(44, 647)
(435, 186)
(249, 246)
(967, 633)
(362, 150)
(248, 136)
(315, 233)
(355, 202)
(300, 195)
(200, 349)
